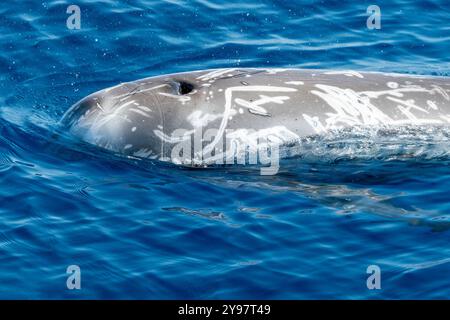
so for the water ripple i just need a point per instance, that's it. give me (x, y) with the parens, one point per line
(142, 229)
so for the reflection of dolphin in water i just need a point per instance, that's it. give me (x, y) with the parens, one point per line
(218, 114)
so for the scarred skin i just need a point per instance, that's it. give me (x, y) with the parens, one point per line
(150, 118)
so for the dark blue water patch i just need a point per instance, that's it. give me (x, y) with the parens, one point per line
(141, 229)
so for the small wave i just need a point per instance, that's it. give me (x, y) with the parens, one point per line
(409, 143)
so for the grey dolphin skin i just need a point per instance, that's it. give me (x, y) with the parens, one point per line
(212, 116)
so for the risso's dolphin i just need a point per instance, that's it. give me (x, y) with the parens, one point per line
(230, 115)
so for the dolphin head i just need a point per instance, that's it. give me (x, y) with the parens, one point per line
(130, 118)
(150, 118)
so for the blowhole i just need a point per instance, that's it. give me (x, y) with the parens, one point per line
(185, 87)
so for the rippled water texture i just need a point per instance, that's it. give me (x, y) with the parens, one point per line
(150, 230)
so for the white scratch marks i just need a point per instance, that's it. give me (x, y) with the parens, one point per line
(174, 96)
(228, 107)
(348, 73)
(215, 74)
(295, 83)
(198, 119)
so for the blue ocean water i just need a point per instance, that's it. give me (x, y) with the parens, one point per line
(154, 231)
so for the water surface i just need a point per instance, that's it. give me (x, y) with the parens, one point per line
(150, 230)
